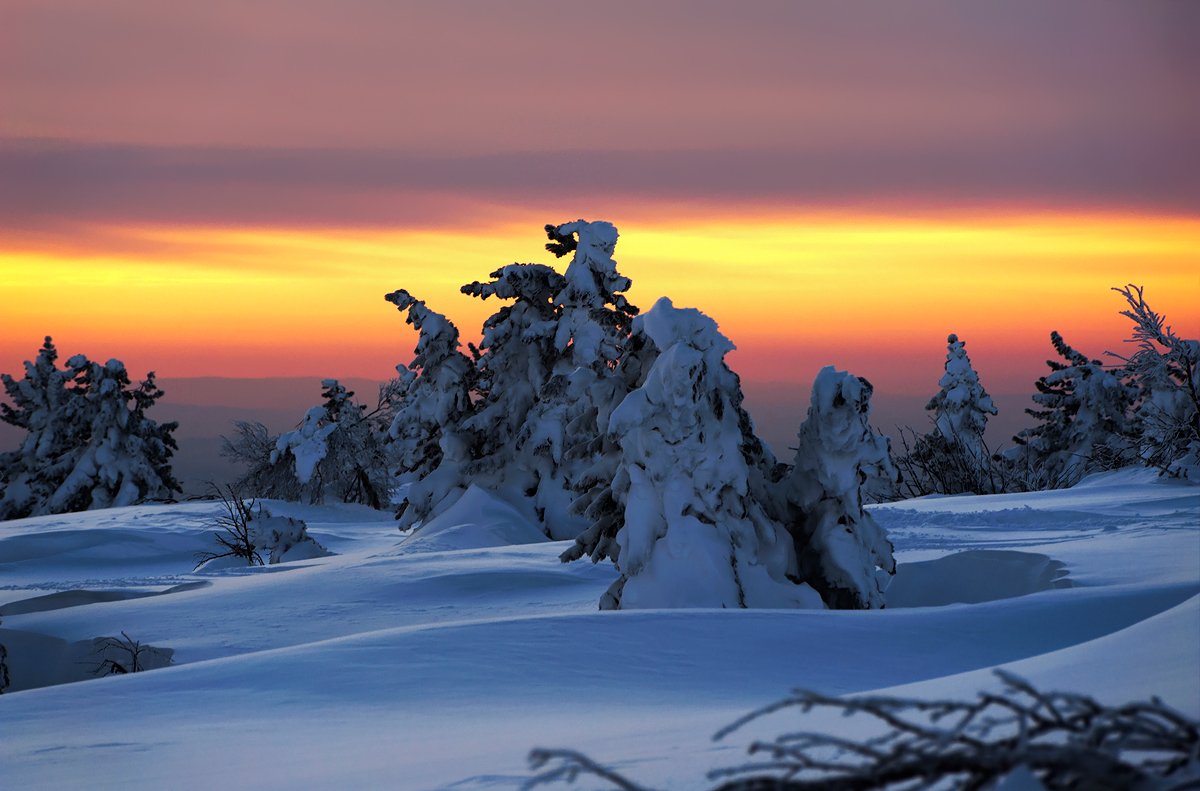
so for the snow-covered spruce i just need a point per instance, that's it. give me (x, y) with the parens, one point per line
(961, 408)
(1165, 370)
(90, 445)
(430, 443)
(336, 453)
(840, 549)
(680, 520)
(560, 436)
(1085, 422)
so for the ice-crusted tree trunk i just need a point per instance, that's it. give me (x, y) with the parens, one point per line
(40, 407)
(336, 452)
(961, 408)
(124, 455)
(840, 549)
(431, 445)
(1165, 370)
(561, 434)
(1084, 421)
(679, 518)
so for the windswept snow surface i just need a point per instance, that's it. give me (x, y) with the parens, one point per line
(437, 663)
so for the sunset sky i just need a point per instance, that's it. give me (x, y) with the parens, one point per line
(220, 188)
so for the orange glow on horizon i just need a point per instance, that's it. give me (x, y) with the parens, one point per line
(793, 292)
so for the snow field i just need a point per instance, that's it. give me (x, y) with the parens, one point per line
(438, 660)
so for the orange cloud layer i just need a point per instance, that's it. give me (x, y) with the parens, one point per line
(874, 294)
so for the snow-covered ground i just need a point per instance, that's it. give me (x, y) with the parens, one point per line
(439, 660)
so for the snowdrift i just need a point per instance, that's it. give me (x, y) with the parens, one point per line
(438, 660)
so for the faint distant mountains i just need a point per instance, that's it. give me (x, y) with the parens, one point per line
(207, 407)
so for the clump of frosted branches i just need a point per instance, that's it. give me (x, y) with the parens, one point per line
(1065, 740)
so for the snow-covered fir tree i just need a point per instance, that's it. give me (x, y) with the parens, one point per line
(40, 407)
(123, 456)
(430, 442)
(336, 453)
(1165, 370)
(961, 408)
(840, 549)
(680, 519)
(561, 435)
(1084, 421)
(90, 443)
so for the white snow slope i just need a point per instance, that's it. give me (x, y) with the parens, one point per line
(439, 664)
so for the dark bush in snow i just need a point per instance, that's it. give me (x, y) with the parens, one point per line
(246, 533)
(122, 655)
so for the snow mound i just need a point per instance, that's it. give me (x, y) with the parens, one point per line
(974, 576)
(479, 519)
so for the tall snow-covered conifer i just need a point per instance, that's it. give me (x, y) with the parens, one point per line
(561, 433)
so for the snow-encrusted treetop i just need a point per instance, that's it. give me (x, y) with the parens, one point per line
(962, 405)
(588, 327)
(438, 339)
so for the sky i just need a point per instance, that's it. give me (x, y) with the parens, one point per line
(219, 188)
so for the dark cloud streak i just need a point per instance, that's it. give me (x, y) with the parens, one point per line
(45, 181)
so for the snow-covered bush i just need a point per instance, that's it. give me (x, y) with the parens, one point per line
(840, 550)
(429, 439)
(680, 519)
(1085, 422)
(246, 533)
(1165, 370)
(90, 443)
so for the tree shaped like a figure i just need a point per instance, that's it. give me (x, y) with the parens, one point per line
(680, 519)
(839, 547)
(1084, 421)
(432, 448)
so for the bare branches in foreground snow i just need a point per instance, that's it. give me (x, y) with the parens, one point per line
(1064, 740)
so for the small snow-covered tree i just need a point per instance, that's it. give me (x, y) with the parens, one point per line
(840, 549)
(561, 434)
(90, 444)
(430, 443)
(961, 408)
(1165, 370)
(680, 519)
(336, 452)
(953, 458)
(1084, 421)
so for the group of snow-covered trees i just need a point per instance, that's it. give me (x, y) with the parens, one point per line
(89, 442)
(625, 432)
(1144, 408)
